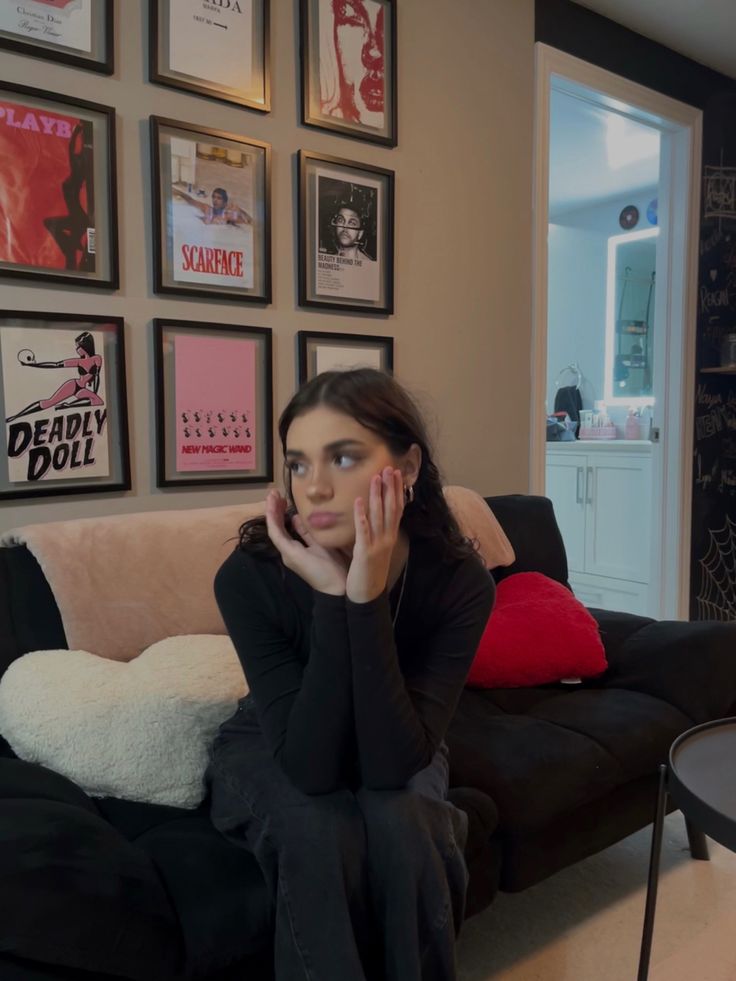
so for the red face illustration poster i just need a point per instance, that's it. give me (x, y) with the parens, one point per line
(67, 23)
(46, 189)
(56, 404)
(215, 382)
(211, 214)
(351, 65)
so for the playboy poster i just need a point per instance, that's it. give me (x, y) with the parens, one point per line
(46, 189)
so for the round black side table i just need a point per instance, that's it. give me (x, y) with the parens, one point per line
(700, 780)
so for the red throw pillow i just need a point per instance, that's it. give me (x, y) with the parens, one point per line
(537, 633)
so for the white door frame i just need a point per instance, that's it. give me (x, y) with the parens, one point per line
(681, 150)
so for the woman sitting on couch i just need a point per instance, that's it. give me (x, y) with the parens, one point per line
(356, 608)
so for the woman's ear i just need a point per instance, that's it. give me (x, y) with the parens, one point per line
(411, 463)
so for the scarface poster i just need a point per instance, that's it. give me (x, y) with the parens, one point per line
(55, 397)
(212, 203)
(46, 189)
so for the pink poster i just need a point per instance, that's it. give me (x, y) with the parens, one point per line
(215, 382)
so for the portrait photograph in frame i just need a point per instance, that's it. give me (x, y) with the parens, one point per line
(219, 51)
(212, 220)
(57, 188)
(73, 32)
(214, 403)
(346, 234)
(64, 405)
(319, 351)
(348, 68)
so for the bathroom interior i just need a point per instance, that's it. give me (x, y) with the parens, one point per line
(602, 327)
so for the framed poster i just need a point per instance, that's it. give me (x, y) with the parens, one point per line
(73, 32)
(214, 413)
(346, 234)
(212, 226)
(348, 53)
(320, 351)
(57, 189)
(217, 49)
(62, 393)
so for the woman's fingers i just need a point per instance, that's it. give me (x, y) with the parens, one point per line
(375, 506)
(275, 522)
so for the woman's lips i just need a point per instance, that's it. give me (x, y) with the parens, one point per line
(371, 91)
(323, 519)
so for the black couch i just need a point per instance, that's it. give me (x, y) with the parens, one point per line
(104, 888)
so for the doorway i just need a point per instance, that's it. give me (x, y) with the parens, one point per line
(616, 209)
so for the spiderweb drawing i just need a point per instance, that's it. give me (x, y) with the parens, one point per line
(717, 597)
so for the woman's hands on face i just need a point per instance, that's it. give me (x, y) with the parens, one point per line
(324, 569)
(376, 534)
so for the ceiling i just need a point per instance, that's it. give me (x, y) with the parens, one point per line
(582, 171)
(704, 30)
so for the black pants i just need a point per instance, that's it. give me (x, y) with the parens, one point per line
(366, 884)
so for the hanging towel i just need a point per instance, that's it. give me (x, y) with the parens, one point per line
(568, 400)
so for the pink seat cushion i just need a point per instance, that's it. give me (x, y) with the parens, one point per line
(537, 633)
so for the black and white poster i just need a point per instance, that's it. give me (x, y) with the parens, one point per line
(348, 232)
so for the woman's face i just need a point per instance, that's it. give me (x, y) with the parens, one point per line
(332, 458)
(359, 46)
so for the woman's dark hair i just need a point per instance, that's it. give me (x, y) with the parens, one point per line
(86, 341)
(379, 403)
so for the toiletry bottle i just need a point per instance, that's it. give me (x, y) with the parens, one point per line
(631, 430)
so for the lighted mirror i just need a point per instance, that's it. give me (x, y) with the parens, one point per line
(630, 296)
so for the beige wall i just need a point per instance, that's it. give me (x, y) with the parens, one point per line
(462, 324)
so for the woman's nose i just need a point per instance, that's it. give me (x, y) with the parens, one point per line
(319, 489)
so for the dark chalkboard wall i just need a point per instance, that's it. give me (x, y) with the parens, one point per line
(713, 552)
(587, 35)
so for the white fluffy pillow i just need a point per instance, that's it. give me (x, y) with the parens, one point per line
(139, 730)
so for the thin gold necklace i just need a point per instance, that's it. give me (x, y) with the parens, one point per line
(401, 591)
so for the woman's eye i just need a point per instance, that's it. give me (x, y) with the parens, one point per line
(296, 467)
(343, 460)
(348, 12)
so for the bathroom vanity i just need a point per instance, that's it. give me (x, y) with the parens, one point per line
(601, 491)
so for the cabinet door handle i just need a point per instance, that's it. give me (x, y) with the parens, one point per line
(589, 486)
(579, 487)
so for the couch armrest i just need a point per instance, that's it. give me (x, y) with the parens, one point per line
(690, 665)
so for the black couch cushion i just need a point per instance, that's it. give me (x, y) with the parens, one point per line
(74, 891)
(217, 890)
(530, 525)
(29, 617)
(546, 752)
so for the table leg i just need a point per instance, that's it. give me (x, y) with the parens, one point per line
(651, 903)
(697, 841)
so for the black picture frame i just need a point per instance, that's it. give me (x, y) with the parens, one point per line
(33, 20)
(182, 245)
(39, 441)
(73, 236)
(363, 108)
(356, 272)
(340, 350)
(257, 96)
(182, 464)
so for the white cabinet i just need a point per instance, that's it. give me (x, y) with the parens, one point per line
(602, 499)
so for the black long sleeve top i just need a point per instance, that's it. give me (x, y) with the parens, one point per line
(342, 696)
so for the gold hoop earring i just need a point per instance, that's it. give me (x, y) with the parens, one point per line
(408, 494)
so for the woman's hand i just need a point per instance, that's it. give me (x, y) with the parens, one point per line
(376, 534)
(321, 568)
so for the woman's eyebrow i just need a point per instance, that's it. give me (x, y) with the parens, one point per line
(338, 444)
